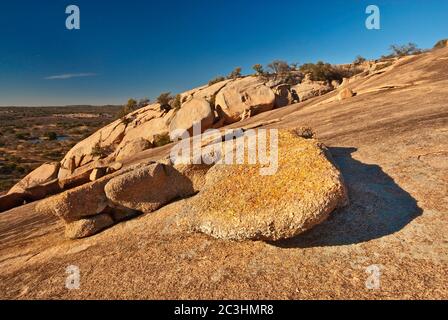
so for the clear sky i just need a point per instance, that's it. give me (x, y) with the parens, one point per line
(138, 48)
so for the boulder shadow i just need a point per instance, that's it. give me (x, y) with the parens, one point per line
(378, 207)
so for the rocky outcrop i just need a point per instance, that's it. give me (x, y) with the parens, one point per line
(40, 176)
(194, 111)
(308, 89)
(345, 94)
(246, 95)
(84, 201)
(237, 203)
(212, 106)
(131, 148)
(87, 227)
(144, 187)
(11, 200)
(148, 188)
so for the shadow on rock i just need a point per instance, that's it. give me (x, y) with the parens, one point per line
(378, 207)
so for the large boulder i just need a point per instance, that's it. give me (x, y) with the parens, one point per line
(11, 200)
(194, 111)
(74, 204)
(242, 96)
(145, 123)
(148, 188)
(441, 44)
(345, 94)
(99, 144)
(309, 89)
(237, 203)
(206, 92)
(131, 148)
(87, 227)
(40, 176)
(84, 201)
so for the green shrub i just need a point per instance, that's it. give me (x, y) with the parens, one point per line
(216, 80)
(177, 103)
(235, 74)
(143, 103)
(404, 50)
(258, 68)
(130, 106)
(161, 140)
(99, 151)
(279, 67)
(359, 60)
(22, 136)
(51, 135)
(164, 99)
(326, 72)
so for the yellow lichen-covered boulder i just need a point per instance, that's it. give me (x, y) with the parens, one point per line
(237, 203)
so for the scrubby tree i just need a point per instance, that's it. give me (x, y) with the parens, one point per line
(404, 50)
(236, 73)
(359, 60)
(322, 71)
(51, 135)
(143, 102)
(216, 80)
(279, 67)
(176, 104)
(258, 68)
(130, 106)
(164, 100)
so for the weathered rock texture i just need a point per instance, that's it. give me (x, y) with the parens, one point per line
(244, 95)
(40, 176)
(238, 203)
(88, 226)
(390, 148)
(211, 106)
(148, 188)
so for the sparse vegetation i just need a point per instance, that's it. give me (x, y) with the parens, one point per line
(259, 70)
(177, 103)
(22, 136)
(161, 140)
(359, 60)
(404, 50)
(235, 74)
(326, 72)
(51, 135)
(216, 80)
(279, 67)
(143, 103)
(27, 151)
(129, 107)
(164, 100)
(100, 151)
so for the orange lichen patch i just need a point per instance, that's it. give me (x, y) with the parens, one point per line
(238, 202)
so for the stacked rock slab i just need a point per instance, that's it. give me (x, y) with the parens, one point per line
(100, 204)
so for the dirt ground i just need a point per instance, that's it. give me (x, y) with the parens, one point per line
(391, 143)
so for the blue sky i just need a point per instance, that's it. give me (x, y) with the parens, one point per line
(138, 48)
